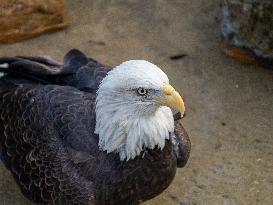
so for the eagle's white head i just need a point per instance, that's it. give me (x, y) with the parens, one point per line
(133, 109)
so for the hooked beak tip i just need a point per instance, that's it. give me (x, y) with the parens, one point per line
(173, 99)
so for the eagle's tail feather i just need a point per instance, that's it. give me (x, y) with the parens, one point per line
(32, 68)
(77, 70)
(43, 69)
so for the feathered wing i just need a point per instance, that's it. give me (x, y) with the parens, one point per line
(182, 145)
(46, 130)
(45, 135)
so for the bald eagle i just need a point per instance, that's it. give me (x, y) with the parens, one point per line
(83, 133)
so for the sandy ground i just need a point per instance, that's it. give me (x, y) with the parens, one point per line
(229, 105)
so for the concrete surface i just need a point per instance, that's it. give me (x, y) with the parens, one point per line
(229, 105)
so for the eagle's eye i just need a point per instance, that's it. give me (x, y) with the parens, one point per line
(142, 91)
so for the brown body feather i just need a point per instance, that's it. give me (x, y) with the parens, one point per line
(47, 138)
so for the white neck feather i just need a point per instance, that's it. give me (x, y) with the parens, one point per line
(120, 130)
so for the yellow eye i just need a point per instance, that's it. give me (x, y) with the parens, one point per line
(142, 91)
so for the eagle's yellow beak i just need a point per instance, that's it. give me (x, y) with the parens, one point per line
(172, 99)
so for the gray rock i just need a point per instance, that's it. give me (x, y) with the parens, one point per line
(248, 24)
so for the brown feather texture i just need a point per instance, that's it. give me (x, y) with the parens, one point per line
(47, 140)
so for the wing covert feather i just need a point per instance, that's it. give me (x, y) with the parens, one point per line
(43, 127)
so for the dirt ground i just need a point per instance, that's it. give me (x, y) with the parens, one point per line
(229, 105)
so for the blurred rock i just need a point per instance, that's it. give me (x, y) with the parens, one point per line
(247, 27)
(24, 19)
